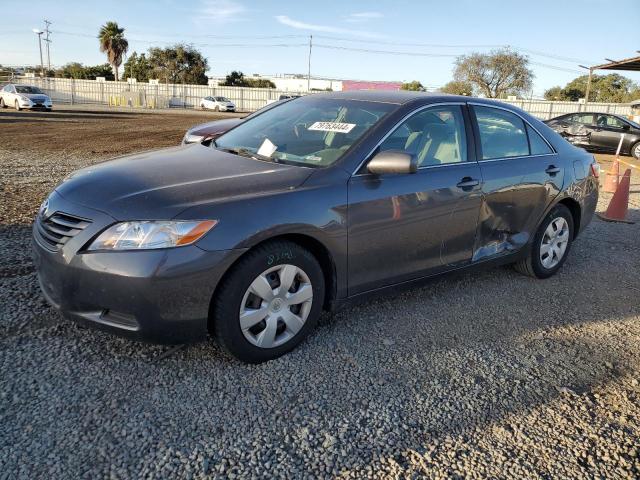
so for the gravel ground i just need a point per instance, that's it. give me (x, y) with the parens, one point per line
(490, 374)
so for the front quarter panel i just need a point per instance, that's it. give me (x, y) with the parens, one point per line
(318, 209)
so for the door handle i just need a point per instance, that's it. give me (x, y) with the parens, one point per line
(467, 183)
(552, 170)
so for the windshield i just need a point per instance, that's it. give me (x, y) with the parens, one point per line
(27, 89)
(310, 132)
(633, 124)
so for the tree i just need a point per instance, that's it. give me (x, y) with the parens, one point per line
(604, 88)
(138, 67)
(178, 64)
(414, 86)
(495, 74)
(80, 72)
(234, 79)
(457, 87)
(237, 79)
(113, 43)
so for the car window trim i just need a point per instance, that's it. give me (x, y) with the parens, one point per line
(479, 143)
(399, 123)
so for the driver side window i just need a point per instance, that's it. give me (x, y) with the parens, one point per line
(435, 136)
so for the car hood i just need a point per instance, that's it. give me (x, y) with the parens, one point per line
(35, 96)
(215, 127)
(162, 183)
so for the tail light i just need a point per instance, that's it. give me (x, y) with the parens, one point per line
(595, 169)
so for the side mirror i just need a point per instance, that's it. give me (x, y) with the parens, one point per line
(626, 126)
(392, 161)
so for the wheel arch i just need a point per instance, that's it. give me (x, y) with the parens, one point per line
(313, 245)
(576, 212)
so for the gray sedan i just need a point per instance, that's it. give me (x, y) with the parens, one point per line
(24, 96)
(324, 200)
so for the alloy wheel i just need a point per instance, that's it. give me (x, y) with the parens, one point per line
(636, 151)
(554, 242)
(276, 306)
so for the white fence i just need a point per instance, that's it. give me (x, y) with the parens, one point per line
(70, 91)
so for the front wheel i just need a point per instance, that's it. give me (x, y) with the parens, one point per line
(269, 302)
(635, 151)
(17, 105)
(551, 244)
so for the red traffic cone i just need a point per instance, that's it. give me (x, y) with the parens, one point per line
(617, 210)
(611, 178)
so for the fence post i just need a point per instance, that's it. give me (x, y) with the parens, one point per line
(73, 88)
(550, 110)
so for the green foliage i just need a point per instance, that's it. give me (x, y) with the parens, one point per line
(414, 86)
(456, 87)
(178, 64)
(495, 74)
(113, 43)
(237, 79)
(138, 67)
(612, 88)
(80, 72)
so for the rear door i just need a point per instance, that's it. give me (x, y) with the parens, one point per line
(406, 226)
(521, 174)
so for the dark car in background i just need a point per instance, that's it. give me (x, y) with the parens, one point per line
(323, 200)
(599, 132)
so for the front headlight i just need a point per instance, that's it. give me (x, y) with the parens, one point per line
(25, 99)
(150, 234)
(191, 138)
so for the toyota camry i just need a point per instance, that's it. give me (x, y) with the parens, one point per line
(326, 199)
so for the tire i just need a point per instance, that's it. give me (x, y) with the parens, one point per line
(534, 264)
(2, 105)
(17, 105)
(635, 150)
(216, 108)
(236, 297)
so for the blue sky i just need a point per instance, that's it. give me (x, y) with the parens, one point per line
(272, 37)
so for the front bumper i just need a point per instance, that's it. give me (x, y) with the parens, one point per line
(161, 296)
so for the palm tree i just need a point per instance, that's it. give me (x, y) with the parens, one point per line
(113, 43)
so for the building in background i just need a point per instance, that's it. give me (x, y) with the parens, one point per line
(299, 83)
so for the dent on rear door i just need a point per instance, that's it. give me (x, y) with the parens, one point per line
(516, 193)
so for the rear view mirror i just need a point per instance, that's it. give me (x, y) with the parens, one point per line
(392, 161)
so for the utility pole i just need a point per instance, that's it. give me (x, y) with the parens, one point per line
(586, 96)
(47, 31)
(309, 71)
(39, 33)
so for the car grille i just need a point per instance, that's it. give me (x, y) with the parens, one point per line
(56, 230)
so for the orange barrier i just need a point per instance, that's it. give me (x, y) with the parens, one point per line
(617, 210)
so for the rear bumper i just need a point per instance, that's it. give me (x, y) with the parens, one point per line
(159, 296)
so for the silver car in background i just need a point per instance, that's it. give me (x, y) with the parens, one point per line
(24, 96)
(219, 104)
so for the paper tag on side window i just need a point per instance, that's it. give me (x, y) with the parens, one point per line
(267, 148)
(332, 127)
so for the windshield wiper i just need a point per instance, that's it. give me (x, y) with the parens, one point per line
(244, 152)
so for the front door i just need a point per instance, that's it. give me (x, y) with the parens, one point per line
(405, 226)
(607, 132)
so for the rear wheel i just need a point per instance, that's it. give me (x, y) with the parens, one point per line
(551, 245)
(269, 302)
(635, 151)
(2, 105)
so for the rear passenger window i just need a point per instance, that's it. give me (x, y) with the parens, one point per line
(537, 143)
(502, 133)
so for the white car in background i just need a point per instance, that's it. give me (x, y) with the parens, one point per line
(219, 104)
(24, 96)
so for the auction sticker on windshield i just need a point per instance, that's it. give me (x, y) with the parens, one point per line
(332, 127)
